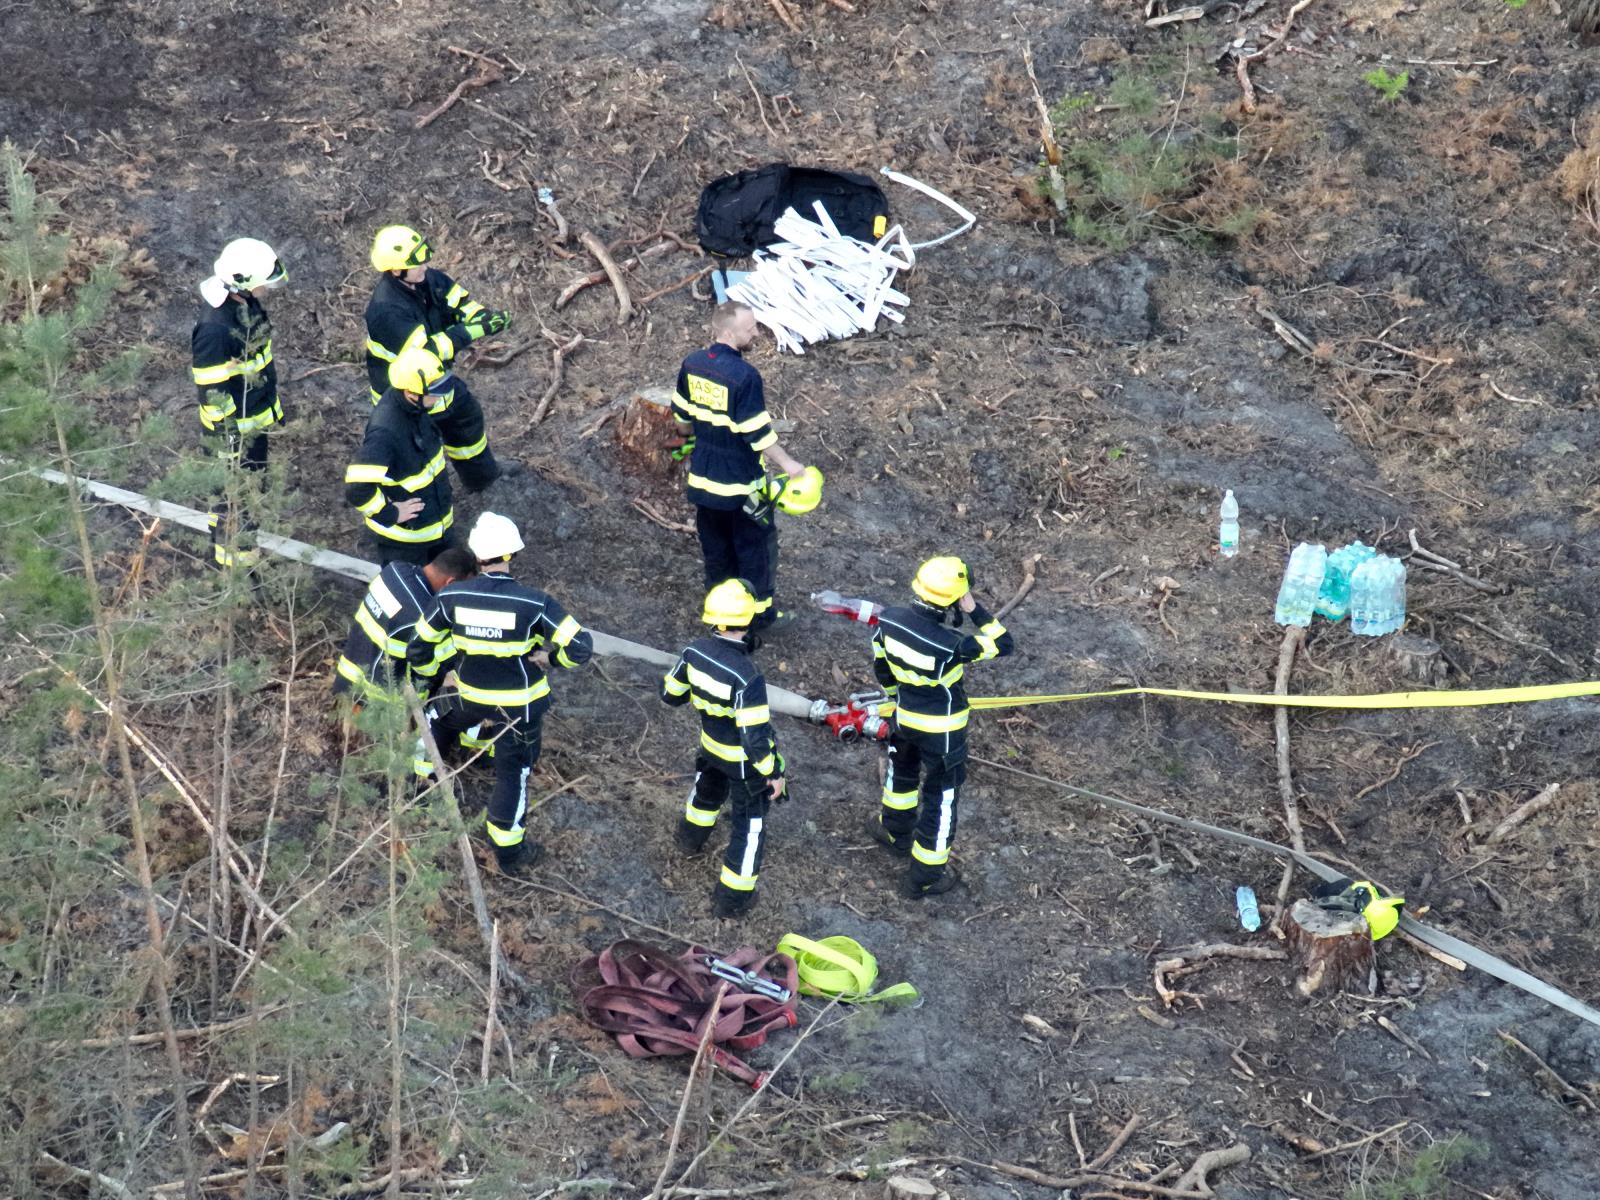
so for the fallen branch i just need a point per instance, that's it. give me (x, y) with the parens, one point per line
(1358, 1142)
(1029, 572)
(594, 277)
(1565, 1090)
(488, 72)
(653, 513)
(494, 997)
(1110, 1152)
(199, 1031)
(1423, 557)
(558, 358)
(1189, 960)
(696, 1070)
(1198, 1177)
(1522, 812)
(687, 280)
(1405, 757)
(784, 15)
(602, 256)
(115, 1186)
(1242, 64)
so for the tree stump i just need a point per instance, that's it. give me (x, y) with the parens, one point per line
(1584, 18)
(1419, 657)
(1331, 948)
(909, 1187)
(647, 434)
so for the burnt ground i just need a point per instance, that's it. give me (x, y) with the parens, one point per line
(1044, 396)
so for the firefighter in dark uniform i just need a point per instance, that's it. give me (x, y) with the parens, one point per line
(238, 383)
(738, 756)
(398, 481)
(377, 651)
(720, 403)
(919, 657)
(417, 306)
(505, 634)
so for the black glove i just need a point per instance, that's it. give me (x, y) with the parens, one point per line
(494, 320)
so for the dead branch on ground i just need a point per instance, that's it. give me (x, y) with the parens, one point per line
(558, 358)
(1030, 567)
(1522, 812)
(595, 277)
(1193, 1184)
(686, 281)
(690, 1086)
(787, 17)
(488, 72)
(1423, 557)
(1406, 756)
(1193, 958)
(1568, 1094)
(602, 256)
(1242, 63)
(655, 514)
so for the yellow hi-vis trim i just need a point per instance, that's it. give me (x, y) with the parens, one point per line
(899, 801)
(842, 968)
(1471, 698)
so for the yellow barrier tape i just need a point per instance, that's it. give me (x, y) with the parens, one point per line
(1463, 699)
(841, 967)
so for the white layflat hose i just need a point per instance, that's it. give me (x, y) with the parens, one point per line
(933, 193)
(361, 571)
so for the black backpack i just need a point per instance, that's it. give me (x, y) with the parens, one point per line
(737, 212)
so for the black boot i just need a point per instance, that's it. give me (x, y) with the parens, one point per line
(898, 844)
(917, 886)
(691, 838)
(727, 903)
(516, 860)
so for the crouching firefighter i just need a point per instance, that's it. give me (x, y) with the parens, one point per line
(231, 350)
(413, 306)
(920, 657)
(378, 656)
(738, 757)
(398, 481)
(505, 635)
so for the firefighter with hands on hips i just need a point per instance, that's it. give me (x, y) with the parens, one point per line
(720, 404)
(231, 351)
(506, 635)
(378, 650)
(398, 481)
(415, 306)
(920, 656)
(738, 757)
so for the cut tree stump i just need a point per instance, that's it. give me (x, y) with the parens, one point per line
(1331, 948)
(647, 433)
(1419, 657)
(909, 1187)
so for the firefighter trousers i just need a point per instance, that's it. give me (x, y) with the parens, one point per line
(466, 443)
(516, 751)
(750, 799)
(249, 451)
(922, 796)
(422, 553)
(738, 546)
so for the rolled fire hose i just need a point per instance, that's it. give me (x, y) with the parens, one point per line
(842, 969)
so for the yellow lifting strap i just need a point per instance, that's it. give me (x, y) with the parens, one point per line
(842, 968)
(1461, 699)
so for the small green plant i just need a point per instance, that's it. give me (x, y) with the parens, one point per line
(1390, 86)
(1516, 3)
(1425, 1177)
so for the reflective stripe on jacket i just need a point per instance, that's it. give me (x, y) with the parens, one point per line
(433, 314)
(401, 457)
(232, 367)
(719, 678)
(920, 663)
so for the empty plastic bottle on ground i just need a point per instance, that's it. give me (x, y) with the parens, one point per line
(1228, 531)
(1244, 899)
(1378, 596)
(1333, 601)
(1297, 595)
(831, 601)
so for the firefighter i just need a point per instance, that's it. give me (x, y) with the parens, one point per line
(506, 635)
(415, 305)
(919, 657)
(233, 369)
(378, 649)
(720, 404)
(398, 481)
(738, 756)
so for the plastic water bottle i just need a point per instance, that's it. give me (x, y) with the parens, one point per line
(831, 601)
(1297, 595)
(1378, 596)
(1228, 530)
(1333, 601)
(1244, 900)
